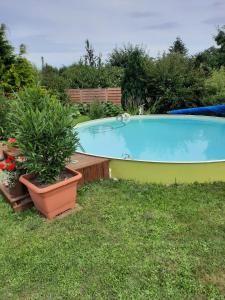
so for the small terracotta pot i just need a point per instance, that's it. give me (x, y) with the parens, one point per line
(55, 198)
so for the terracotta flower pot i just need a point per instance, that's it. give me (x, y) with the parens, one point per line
(55, 198)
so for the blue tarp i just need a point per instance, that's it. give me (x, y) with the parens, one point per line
(214, 109)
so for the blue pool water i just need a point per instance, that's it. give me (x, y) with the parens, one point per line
(155, 138)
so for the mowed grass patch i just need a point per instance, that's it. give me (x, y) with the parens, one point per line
(81, 119)
(130, 241)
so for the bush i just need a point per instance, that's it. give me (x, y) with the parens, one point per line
(175, 83)
(163, 105)
(169, 81)
(16, 71)
(99, 109)
(215, 84)
(82, 76)
(213, 100)
(44, 132)
(178, 78)
(83, 108)
(55, 82)
(4, 110)
(135, 79)
(19, 75)
(96, 110)
(120, 57)
(111, 110)
(74, 111)
(215, 88)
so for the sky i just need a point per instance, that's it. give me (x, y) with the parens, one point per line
(57, 29)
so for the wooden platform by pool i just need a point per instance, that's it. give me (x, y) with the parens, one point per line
(92, 168)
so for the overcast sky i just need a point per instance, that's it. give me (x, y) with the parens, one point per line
(57, 29)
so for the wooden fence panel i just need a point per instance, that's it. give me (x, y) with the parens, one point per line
(90, 95)
(114, 95)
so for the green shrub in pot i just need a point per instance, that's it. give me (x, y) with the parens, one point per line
(43, 128)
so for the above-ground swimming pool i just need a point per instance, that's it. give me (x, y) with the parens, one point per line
(158, 148)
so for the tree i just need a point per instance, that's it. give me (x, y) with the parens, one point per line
(178, 83)
(213, 57)
(15, 70)
(4, 109)
(83, 76)
(90, 59)
(220, 40)
(23, 49)
(134, 83)
(178, 47)
(207, 59)
(6, 50)
(52, 79)
(7, 56)
(120, 56)
(215, 84)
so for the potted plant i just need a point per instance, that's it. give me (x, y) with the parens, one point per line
(44, 131)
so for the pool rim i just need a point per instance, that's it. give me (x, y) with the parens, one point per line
(153, 116)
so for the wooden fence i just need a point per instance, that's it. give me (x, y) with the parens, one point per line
(90, 95)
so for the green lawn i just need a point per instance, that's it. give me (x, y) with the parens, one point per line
(81, 119)
(130, 241)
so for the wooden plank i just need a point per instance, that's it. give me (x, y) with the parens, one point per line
(92, 168)
(18, 204)
(82, 160)
(89, 95)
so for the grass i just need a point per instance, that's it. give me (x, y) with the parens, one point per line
(130, 241)
(80, 119)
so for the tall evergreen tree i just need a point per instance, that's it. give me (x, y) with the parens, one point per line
(178, 47)
(15, 70)
(7, 56)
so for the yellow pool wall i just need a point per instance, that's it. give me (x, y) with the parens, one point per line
(167, 173)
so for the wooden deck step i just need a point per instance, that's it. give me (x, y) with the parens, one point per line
(18, 204)
(92, 168)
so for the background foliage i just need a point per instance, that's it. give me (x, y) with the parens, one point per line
(4, 108)
(172, 80)
(16, 71)
(99, 109)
